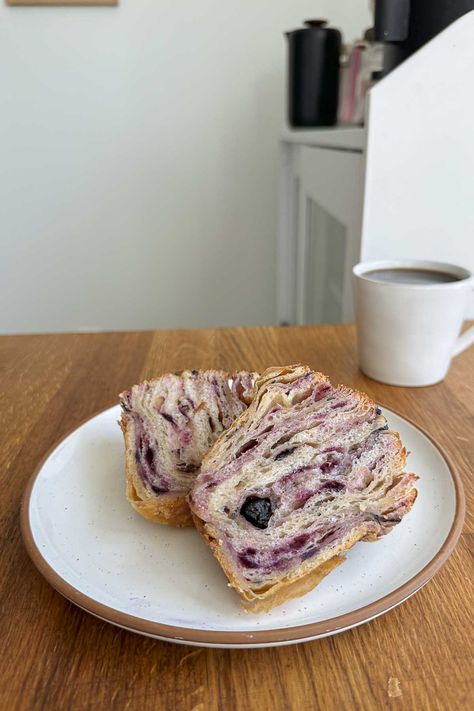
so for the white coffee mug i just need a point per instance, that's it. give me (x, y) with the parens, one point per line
(408, 333)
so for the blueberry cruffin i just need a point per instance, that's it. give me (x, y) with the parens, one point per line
(169, 424)
(303, 474)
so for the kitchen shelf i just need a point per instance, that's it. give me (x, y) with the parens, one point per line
(349, 138)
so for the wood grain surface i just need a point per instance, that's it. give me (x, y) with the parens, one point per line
(54, 656)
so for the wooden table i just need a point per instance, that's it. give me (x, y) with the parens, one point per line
(54, 656)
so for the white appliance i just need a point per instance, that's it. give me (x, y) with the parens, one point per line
(402, 188)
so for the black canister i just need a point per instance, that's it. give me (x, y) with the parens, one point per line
(313, 74)
(406, 25)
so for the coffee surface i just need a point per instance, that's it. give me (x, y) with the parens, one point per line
(411, 276)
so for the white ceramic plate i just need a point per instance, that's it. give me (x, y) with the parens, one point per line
(164, 582)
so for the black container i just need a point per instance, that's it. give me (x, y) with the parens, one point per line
(428, 17)
(313, 75)
(408, 24)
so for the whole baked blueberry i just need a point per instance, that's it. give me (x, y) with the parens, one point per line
(257, 511)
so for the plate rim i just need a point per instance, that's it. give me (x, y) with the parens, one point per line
(239, 638)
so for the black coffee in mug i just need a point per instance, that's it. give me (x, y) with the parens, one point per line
(409, 317)
(411, 276)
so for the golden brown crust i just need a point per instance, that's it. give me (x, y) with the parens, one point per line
(286, 589)
(290, 589)
(170, 509)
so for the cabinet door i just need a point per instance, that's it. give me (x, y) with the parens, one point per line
(323, 237)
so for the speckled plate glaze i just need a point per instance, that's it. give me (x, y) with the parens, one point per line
(162, 582)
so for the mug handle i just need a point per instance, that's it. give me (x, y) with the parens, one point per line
(467, 338)
(464, 341)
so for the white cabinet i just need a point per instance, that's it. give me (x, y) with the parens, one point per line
(320, 227)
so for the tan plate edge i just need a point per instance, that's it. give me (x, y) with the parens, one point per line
(243, 637)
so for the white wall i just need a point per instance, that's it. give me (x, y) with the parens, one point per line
(138, 161)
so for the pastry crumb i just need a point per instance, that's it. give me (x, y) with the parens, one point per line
(394, 687)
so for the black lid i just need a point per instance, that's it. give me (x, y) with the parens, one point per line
(315, 23)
